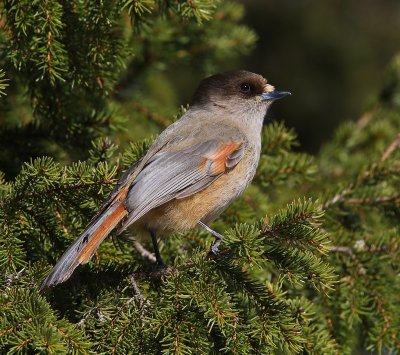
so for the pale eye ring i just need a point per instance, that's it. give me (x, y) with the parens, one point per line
(246, 88)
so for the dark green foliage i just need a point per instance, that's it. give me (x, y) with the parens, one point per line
(309, 262)
(279, 164)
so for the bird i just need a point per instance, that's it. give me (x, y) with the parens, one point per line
(194, 169)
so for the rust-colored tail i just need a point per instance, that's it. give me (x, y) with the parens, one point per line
(82, 250)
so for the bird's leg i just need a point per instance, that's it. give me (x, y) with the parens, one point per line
(218, 237)
(160, 262)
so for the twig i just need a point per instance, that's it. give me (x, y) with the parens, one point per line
(143, 305)
(153, 116)
(372, 201)
(82, 321)
(335, 199)
(343, 250)
(392, 147)
(352, 255)
(137, 295)
(13, 278)
(364, 120)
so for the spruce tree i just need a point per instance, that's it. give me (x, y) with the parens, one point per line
(310, 259)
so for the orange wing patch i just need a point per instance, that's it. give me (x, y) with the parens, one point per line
(218, 159)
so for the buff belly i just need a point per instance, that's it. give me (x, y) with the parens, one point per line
(180, 215)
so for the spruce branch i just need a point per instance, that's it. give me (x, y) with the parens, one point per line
(295, 242)
(238, 279)
(300, 222)
(53, 51)
(278, 163)
(135, 152)
(200, 10)
(29, 323)
(277, 138)
(137, 10)
(374, 174)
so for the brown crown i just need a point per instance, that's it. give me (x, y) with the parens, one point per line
(229, 84)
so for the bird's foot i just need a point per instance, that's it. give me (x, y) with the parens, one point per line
(218, 237)
(161, 267)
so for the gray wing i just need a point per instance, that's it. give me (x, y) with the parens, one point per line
(179, 174)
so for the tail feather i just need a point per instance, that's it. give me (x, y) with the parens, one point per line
(82, 250)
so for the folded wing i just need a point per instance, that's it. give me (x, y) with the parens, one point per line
(179, 174)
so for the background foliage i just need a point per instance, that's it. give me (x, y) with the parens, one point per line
(309, 263)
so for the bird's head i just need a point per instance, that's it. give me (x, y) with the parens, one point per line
(237, 92)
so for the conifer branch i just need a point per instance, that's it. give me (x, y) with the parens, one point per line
(376, 172)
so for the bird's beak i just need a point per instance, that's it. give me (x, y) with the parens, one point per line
(275, 95)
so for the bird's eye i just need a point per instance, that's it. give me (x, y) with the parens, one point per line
(245, 88)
